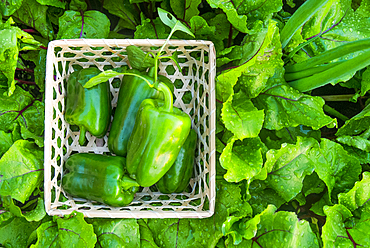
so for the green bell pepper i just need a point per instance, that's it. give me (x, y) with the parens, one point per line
(100, 178)
(132, 92)
(159, 132)
(89, 109)
(177, 178)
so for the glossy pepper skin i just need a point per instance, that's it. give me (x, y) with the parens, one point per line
(132, 92)
(177, 178)
(160, 131)
(89, 109)
(100, 178)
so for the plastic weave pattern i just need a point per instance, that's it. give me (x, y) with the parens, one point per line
(194, 94)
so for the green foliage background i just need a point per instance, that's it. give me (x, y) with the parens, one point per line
(292, 166)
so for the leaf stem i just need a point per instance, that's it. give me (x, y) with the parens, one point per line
(335, 113)
(24, 82)
(339, 98)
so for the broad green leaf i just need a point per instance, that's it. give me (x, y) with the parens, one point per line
(312, 184)
(89, 24)
(130, 17)
(34, 15)
(229, 202)
(78, 5)
(342, 231)
(200, 27)
(138, 58)
(146, 235)
(16, 231)
(358, 195)
(73, 229)
(12, 108)
(229, 229)
(335, 167)
(277, 229)
(32, 122)
(39, 58)
(55, 3)
(47, 235)
(287, 107)
(8, 56)
(241, 117)
(35, 214)
(364, 9)
(6, 141)
(365, 83)
(318, 207)
(333, 232)
(242, 159)
(248, 55)
(287, 167)
(116, 232)
(333, 25)
(219, 145)
(173, 232)
(38, 213)
(274, 139)
(322, 21)
(258, 12)
(201, 232)
(355, 141)
(254, 78)
(358, 228)
(185, 9)
(259, 196)
(350, 26)
(151, 29)
(298, 19)
(356, 124)
(40, 69)
(363, 157)
(8, 7)
(168, 19)
(222, 26)
(248, 16)
(21, 170)
(230, 9)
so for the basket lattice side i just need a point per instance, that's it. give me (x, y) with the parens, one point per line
(194, 94)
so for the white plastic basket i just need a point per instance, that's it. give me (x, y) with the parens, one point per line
(194, 94)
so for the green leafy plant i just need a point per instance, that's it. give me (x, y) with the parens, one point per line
(292, 136)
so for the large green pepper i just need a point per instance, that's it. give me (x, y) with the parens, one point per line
(89, 109)
(160, 131)
(132, 92)
(100, 178)
(177, 178)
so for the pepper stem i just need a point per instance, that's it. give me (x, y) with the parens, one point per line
(82, 137)
(168, 97)
(152, 72)
(127, 183)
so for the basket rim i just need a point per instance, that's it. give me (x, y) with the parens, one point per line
(128, 42)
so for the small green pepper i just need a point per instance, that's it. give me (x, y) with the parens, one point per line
(177, 178)
(100, 178)
(160, 131)
(89, 109)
